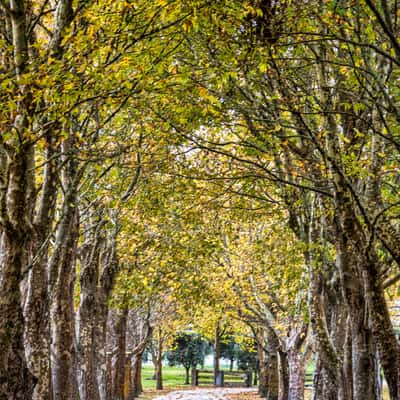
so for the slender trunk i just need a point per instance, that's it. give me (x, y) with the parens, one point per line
(378, 380)
(88, 310)
(283, 369)
(330, 378)
(255, 377)
(135, 387)
(88, 386)
(231, 364)
(187, 375)
(348, 358)
(61, 310)
(62, 274)
(363, 362)
(37, 329)
(102, 359)
(353, 289)
(317, 386)
(109, 268)
(109, 377)
(217, 351)
(36, 310)
(119, 358)
(159, 378)
(272, 376)
(263, 371)
(296, 363)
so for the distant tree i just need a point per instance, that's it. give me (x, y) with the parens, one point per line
(229, 351)
(247, 360)
(188, 350)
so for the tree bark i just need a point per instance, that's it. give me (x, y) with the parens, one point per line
(109, 269)
(187, 375)
(157, 349)
(296, 375)
(119, 354)
(61, 311)
(37, 329)
(272, 376)
(136, 387)
(36, 310)
(283, 369)
(317, 386)
(62, 274)
(88, 311)
(217, 350)
(159, 377)
(16, 382)
(382, 329)
(263, 370)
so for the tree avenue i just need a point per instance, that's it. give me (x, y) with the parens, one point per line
(229, 169)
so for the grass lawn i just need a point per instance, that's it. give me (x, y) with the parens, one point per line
(172, 377)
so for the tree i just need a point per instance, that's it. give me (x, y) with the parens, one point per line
(229, 350)
(189, 350)
(247, 359)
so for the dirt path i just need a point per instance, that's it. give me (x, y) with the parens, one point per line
(204, 394)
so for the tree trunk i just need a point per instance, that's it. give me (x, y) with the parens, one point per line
(348, 358)
(37, 329)
(61, 311)
(263, 371)
(330, 378)
(272, 376)
(187, 375)
(109, 269)
(119, 351)
(283, 369)
(103, 373)
(317, 386)
(16, 382)
(330, 390)
(62, 274)
(231, 364)
(159, 378)
(88, 315)
(353, 289)
(157, 344)
(36, 311)
(363, 362)
(255, 377)
(296, 375)
(217, 351)
(135, 387)
(382, 329)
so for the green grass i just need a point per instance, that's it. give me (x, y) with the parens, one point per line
(172, 377)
